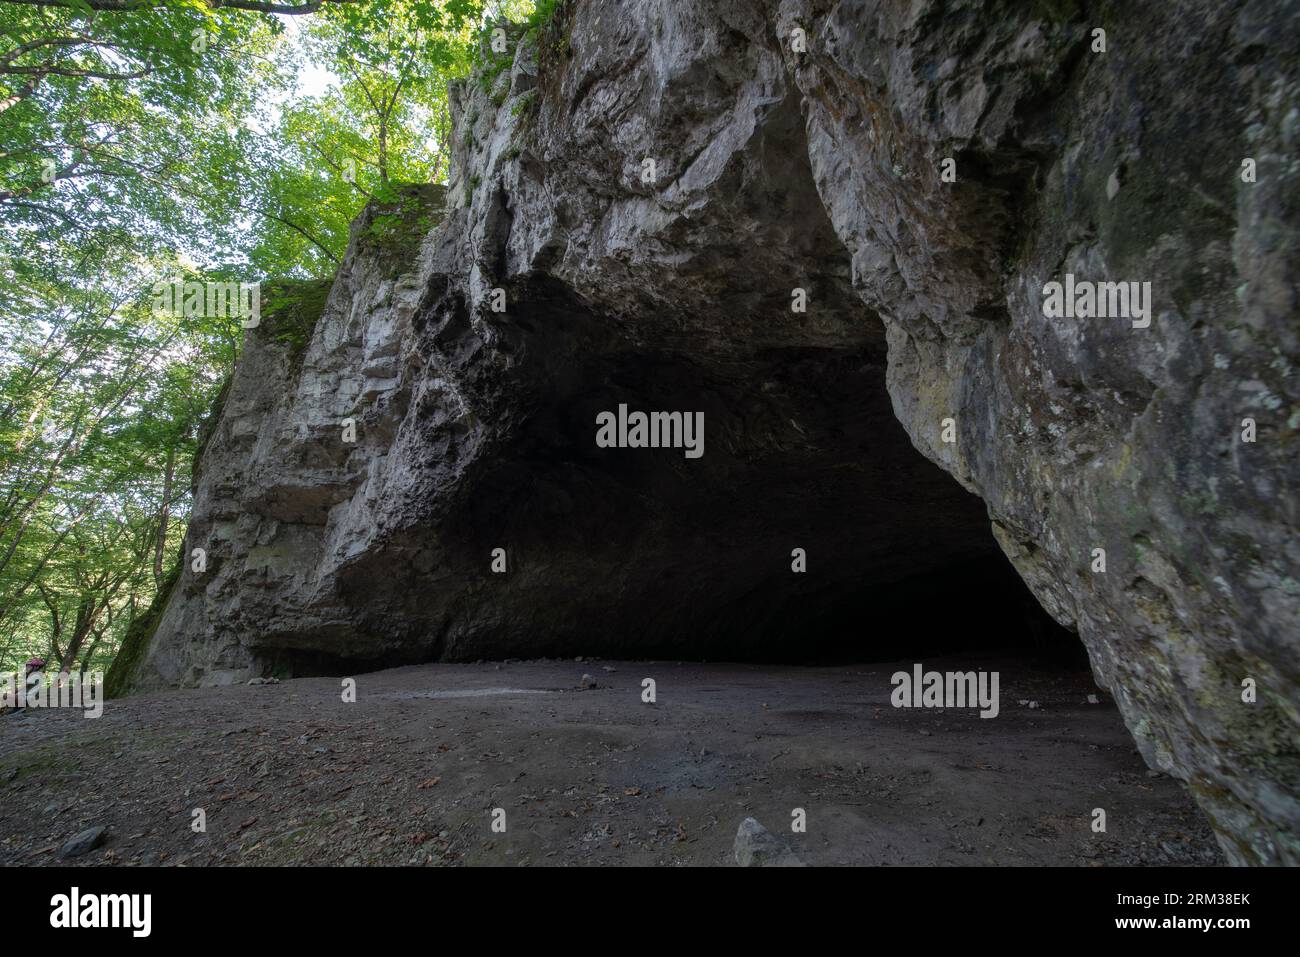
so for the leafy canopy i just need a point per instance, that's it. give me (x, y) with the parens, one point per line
(148, 140)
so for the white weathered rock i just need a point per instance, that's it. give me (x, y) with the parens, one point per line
(756, 846)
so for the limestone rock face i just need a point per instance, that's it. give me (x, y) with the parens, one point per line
(1093, 433)
(645, 189)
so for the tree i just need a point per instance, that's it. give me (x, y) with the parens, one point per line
(146, 140)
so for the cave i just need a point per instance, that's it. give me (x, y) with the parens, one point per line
(793, 267)
(748, 320)
(648, 553)
(478, 517)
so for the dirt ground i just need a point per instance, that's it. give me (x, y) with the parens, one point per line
(411, 772)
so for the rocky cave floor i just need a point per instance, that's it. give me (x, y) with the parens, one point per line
(410, 773)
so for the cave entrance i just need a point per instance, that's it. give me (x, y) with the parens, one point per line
(650, 553)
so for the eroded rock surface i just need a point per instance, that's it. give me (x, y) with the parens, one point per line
(668, 285)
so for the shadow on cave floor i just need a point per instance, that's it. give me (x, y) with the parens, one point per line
(588, 773)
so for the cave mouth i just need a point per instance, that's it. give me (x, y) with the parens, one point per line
(642, 553)
(648, 553)
(900, 559)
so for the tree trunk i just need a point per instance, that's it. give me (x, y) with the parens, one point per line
(87, 612)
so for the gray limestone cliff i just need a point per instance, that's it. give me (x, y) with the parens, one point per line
(647, 184)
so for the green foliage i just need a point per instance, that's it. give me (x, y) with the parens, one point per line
(543, 14)
(543, 28)
(493, 66)
(291, 309)
(524, 103)
(139, 632)
(176, 140)
(386, 122)
(100, 400)
(398, 225)
(522, 21)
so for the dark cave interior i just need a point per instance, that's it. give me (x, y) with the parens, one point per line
(642, 553)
